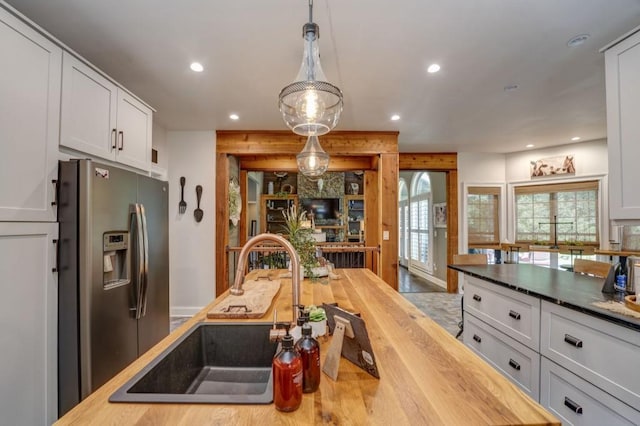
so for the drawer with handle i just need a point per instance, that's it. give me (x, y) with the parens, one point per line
(515, 314)
(515, 361)
(577, 402)
(601, 352)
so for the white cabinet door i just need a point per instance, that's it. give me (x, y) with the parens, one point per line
(28, 314)
(622, 63)
(134, 132)
(102, 120)
(89, 105)
(29, 122)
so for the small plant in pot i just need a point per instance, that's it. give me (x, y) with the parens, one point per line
(299, 230)
(317, 320)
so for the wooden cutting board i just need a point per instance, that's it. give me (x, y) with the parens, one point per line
(254, 303)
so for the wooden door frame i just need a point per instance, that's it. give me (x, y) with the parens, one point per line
(374, 152)
(447, 163)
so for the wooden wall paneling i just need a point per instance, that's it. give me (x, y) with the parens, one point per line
(388, 190)
(371, 221)
(242, 225)
(284, 142)
(222, 222)
(452, 228)
(287, 163)
(431, 162)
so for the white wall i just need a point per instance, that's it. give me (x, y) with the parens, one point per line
(478, 169)
(590, 159)
(191, 244)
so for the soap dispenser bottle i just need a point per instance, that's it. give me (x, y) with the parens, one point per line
(287, 376)
(310, 352)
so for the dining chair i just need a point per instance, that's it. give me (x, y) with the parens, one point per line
(591, 267)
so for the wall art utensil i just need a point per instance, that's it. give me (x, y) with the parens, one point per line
(198, 213)
(182, 205)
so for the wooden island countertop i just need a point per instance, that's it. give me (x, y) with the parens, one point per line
(426, 375)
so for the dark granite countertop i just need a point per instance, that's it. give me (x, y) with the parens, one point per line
(574, 291)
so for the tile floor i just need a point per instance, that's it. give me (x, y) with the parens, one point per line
(433, 300)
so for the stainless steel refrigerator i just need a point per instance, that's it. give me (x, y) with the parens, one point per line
(113, 287)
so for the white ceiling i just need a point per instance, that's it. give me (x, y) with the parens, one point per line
(375, 51)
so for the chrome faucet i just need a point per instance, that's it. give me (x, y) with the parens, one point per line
(237, 290)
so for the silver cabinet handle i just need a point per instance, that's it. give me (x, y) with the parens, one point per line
(574, 341)
(477, 338)
(121, 134)
(573, 406)
(114, 137)
(514, 315)
(514, 364)
(477, 298)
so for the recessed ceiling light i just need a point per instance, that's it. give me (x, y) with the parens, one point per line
(197, 67)
(578, 40)
(575, 138)
(433, 68)
(510, 87)
(395, 117)
(234, 116)
(530, 145)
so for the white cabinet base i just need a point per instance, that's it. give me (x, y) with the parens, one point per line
(28, 314)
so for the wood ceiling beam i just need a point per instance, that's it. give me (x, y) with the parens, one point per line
(345, 143)
(432, 162)
(287, 163)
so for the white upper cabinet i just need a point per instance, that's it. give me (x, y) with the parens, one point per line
(29, 122)
(102, 120)
(623, 127)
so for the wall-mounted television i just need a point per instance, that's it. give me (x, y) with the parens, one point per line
(324, 209)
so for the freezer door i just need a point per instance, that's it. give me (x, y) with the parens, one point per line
(154, 323)
(107, 324)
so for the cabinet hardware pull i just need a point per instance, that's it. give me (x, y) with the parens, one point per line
(114, 137)
(121, 133)
(514, 315)
(573, 340)
(514, 364)
(56, 263)
(572, 405)
(477, 338)
(477, 298)
(55, 192)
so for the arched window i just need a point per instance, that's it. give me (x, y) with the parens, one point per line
(403, 222)
(420, 205)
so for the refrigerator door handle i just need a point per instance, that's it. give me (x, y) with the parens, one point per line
(139, 252)
(145, 260)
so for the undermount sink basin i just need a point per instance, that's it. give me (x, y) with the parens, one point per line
(227, 363)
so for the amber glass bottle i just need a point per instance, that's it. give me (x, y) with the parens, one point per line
(287, 377)
(310, 352)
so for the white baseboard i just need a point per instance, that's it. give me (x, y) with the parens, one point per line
(426, 276)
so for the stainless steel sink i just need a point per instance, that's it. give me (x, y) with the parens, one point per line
(227, 363)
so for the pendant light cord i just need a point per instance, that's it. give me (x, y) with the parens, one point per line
(310, 10)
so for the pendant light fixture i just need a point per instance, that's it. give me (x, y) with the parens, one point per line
(312, 160)
(311, 106)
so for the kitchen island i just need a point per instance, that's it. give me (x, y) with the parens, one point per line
(558, 337)
(426, 375)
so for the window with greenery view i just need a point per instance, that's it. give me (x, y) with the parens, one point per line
(573, 206)
(483, 221)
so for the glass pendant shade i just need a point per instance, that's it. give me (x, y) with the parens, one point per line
(312, 160)
(311, 105)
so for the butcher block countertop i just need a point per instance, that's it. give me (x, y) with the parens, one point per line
(426, 375)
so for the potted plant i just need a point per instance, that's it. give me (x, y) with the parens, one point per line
(299, 230)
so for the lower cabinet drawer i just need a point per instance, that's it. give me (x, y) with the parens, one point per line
(577, 402)
(514, 360)
(600, 352)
